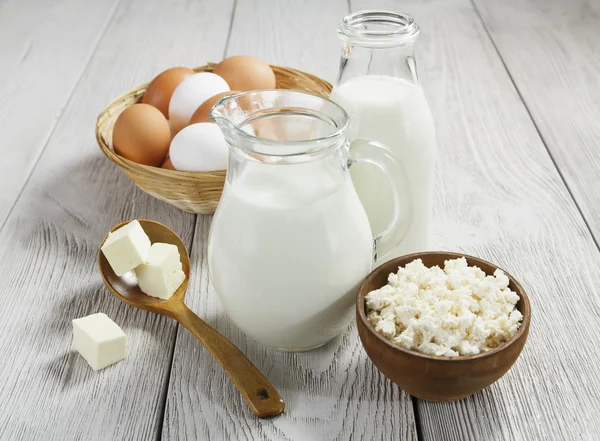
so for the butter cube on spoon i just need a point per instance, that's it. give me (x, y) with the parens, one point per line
(161, 274)
(126, 247)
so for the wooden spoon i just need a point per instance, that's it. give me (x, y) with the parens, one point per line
(260, 395)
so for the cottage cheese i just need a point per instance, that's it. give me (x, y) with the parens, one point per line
(455, 311)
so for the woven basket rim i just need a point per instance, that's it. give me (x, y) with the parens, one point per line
(195, 192)
(159, 172)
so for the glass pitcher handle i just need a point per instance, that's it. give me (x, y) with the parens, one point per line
(372, 152)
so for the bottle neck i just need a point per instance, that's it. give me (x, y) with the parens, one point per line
(397, 62)
(378, 43)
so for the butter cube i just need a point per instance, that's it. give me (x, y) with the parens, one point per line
(126, 248)
(99, 340)
(162, 273)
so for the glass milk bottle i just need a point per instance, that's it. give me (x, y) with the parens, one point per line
(379, 88)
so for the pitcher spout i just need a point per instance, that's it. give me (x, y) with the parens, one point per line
(220, 114)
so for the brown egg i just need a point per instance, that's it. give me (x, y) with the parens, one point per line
(168, 164)
(162, 87)
(142, 134)
(201, 113)
(245, 73)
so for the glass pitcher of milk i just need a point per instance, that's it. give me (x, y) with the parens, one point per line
(290, 242)
(379, 88)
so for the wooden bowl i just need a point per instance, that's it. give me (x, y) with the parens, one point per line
(431, 377)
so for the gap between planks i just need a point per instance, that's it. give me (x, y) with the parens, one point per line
(62, 111)
(414, 401)
(167, 380)
(535, 124)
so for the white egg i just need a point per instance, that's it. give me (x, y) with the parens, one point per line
(190, 94)
(199, 147)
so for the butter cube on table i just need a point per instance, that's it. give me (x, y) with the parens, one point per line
(126, 248)
(99, 340)
(162, 273)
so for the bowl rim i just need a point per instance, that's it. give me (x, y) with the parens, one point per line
(525, 310)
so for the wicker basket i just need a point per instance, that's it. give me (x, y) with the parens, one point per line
(189, 191)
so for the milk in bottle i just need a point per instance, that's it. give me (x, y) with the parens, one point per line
(379, 89)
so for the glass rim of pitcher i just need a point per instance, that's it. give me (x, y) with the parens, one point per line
(328, 141)
(399, 28)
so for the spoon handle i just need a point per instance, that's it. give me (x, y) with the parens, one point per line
(258, 392)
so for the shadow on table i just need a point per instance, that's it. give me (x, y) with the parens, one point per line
(79, 202)
(70, 369)
(73, 303)
(60, 222)
(296, 375)
(63, 216)
(487, 421)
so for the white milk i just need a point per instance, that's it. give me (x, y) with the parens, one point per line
(395, 113)
(289, 247)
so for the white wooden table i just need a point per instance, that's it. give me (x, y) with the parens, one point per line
(514, 86)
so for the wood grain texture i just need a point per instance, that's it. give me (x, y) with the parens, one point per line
(302, 36)
(49, 245)
(500, 197)
(332, 393)
(44, 48)
(552, 51)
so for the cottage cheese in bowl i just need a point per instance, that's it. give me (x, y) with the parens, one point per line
(454, 311)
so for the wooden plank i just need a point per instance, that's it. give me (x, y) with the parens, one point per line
(330, 393)
(552, 51)
(302, 36)
(49, 245)
(41, 61)
(500, 197)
